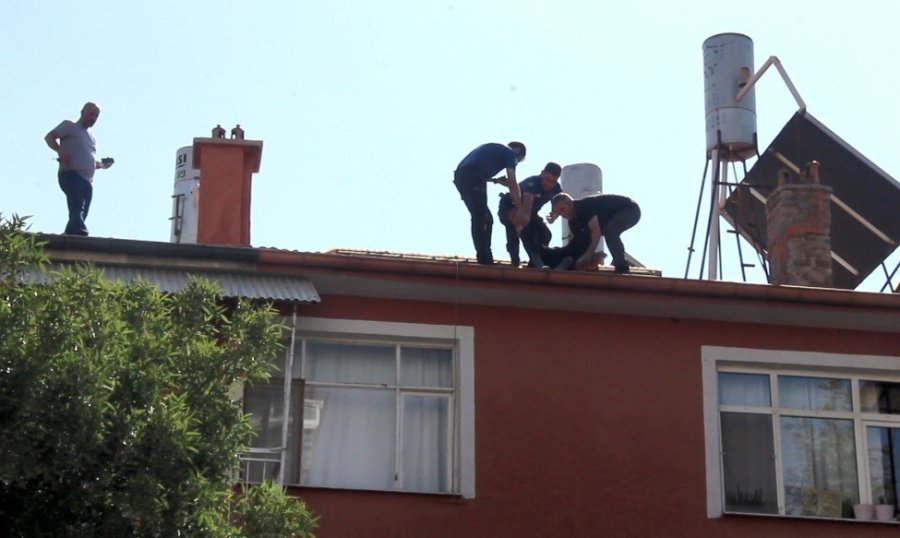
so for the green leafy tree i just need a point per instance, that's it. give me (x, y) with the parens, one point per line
(115, 415)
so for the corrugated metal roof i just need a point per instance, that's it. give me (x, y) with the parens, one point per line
(242, 285)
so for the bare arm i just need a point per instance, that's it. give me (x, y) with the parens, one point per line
(515, 193)
(584, 261)
(522, 214)
(52, 140)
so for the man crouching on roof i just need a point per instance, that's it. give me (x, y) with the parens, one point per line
(590, 218)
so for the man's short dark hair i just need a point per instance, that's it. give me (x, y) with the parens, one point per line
(518, 148)
(553, 168)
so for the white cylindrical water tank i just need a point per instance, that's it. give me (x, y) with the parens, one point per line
(730, 124)
(186, 198)
(580, 180)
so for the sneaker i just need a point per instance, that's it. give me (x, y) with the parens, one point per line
(621, 269)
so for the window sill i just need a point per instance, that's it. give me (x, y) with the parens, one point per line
(455, 498)
(813, 518)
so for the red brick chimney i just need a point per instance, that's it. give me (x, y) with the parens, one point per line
(226, 167)
(798, 216)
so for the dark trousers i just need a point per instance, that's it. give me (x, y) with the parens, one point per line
(624, 219)
(573, 249)
(534, 235)
(473, 192)
(78, 198)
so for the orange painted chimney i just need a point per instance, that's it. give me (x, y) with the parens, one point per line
(226, 167)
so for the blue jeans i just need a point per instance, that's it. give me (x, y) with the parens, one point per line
(78, 197)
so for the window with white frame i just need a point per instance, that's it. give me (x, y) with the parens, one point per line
(386, 406)
(805, 434)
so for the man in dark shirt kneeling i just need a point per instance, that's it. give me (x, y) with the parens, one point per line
(590, 218)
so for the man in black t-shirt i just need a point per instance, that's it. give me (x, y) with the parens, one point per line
(536, 191)
(606, 215)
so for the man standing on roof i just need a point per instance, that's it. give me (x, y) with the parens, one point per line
(606, 215)
(471, 177)
(536, 191)
(76, 149)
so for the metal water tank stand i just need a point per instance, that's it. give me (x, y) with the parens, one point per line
(720, 186)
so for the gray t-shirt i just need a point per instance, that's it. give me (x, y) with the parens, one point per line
(79, 143)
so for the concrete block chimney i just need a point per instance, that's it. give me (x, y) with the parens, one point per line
(798, 216)
(226, 167)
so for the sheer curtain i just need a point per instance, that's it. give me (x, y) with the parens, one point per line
(353, 444)
(884, 463)
(748, 450)
(425, 455)
(362, 399)
(818, 454)
(744, 389)
(425, 458)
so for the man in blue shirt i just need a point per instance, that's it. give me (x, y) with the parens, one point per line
(606, 215)
(471, 177)
(536, 191)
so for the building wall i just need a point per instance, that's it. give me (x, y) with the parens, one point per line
(586, 425)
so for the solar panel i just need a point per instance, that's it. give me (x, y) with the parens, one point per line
(865, 209)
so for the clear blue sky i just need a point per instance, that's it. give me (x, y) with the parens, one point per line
(365, 108)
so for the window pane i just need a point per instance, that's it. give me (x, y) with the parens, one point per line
(815, 393)
(744, 389)
(351, 363)
(426, 443)
(880, 397)
(422, 367)
(352, 445)
(819, 458)
(264, 402)
(749, 463)
(884, 463)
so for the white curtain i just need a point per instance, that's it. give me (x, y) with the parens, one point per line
(815, 393)
(818, 454)
(354, 445)
(425, 367)
(744, 389)
(426, 422)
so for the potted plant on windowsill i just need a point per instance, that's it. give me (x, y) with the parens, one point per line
(864, 511)
(883, 510)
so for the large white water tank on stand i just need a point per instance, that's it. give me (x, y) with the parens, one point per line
(580, 180)
(186, 198)
(730, 124)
